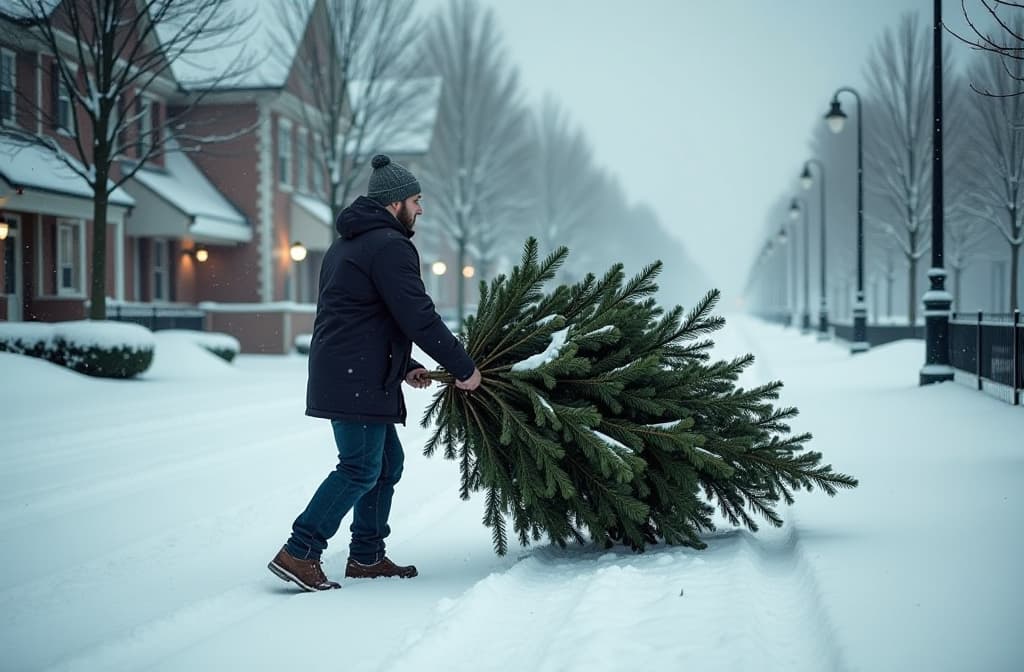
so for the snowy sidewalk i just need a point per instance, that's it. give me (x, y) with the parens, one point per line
(142, 514)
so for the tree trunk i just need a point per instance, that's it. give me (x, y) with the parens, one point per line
(1014, 271)
(461, 280)
(888, 294)
(98, 286)
(912, 286)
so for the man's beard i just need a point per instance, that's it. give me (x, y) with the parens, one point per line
(405, 217)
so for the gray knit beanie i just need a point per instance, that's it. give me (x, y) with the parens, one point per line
(390, 182)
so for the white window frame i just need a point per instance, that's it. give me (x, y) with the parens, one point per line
(284, 152)
(160, 271)
(14, 239)
(302, 160)
(145, 129)
(9, 116)
(65, 101)
(73, 259)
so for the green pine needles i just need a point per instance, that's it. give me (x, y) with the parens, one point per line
(600, 415)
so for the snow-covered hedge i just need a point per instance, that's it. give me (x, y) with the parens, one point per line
(96, 348)
(302, 342)
(224, 346)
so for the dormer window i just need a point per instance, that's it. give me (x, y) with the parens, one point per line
(8, 78)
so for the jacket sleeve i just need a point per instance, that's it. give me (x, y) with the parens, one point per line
(413, 365)
(396, 275)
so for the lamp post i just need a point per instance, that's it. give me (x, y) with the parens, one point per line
(796, 208)
(806, 180)
(836, 120)
(937, 300)
(789, 288)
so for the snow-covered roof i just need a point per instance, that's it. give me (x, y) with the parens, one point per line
(181, 184)
(315, 207)
(263, 44)
(403, 133)
(26, 9)
(32, 166)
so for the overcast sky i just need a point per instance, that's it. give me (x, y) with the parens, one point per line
(704, 108)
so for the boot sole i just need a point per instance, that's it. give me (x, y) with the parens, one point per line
(283, 574)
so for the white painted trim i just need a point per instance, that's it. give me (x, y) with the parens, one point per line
(83, 281)
(119, 261)
(266, 170)
(136, 270)
(302, 173)
(15, 238)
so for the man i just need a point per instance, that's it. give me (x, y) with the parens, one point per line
(372, 306)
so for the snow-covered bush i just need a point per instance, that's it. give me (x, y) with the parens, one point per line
(27, 338)
(103, 349)
(302, 342)
(224, 346)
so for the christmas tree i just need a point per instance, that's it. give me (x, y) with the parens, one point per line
(601, 415)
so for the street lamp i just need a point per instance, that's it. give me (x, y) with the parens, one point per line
(937, 300)
(796, 208)
(468, 271)
(791, 275)
(438, 268)
(806, 180)
(836, 120)
(297, 251)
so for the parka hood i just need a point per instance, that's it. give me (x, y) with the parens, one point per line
(366, 214)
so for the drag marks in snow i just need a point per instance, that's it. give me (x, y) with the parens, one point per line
(581, 610)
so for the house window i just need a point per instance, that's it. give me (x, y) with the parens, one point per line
(161, 270)
(284, 152)
(7, 85)
(318, 169)
(144, 111)
(302, 160)
(64, 120)
(70, 253)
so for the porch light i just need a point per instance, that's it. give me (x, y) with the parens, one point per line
(439, 268)
(298, 251)
(468, 271)
(199, 253)
(4, 230)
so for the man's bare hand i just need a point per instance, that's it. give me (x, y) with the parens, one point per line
(418, 378)
(471, 383)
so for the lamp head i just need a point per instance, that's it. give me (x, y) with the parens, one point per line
(836, 118)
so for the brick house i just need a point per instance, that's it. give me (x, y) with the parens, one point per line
(201, 239)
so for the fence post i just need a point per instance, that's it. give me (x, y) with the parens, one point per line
(1016, 358)
(977, 349)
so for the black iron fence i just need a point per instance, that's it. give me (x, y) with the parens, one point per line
(988, 350)
(156, 318)
(879, 334)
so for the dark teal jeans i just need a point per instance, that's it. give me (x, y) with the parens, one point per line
(370, 460)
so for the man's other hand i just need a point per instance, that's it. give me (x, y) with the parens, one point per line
(471, 383)
(418, 378)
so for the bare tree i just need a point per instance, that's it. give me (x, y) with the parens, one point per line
(477, 169)
(566, 179)
(899, 155)
(999, 152)
(106, 54)
(1002, 39)
(354, 68)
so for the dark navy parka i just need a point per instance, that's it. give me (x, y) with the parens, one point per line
(371, 307)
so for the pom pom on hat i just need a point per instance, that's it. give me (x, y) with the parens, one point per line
(380, 161)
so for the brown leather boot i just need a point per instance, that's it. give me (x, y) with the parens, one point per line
(308, 574)
(383, 567)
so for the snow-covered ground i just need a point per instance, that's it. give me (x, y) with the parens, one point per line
(139, 517)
